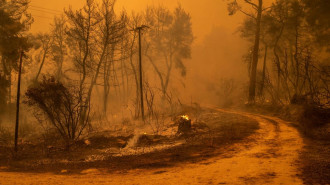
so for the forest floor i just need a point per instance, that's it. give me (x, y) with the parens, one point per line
(268, 154)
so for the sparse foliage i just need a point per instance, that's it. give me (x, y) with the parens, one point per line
(14, 24)
(168, 42)
(287, 33)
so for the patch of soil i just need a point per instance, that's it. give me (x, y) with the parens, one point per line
(315, 162)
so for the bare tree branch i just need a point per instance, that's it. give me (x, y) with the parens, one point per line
(248, 14)
(252, 4)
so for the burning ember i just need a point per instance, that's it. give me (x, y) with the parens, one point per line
(185, 117)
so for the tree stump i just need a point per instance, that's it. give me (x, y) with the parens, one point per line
(184, 125)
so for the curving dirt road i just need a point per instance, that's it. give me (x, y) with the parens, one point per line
(270, 159)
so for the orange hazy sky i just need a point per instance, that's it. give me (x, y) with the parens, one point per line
(206, 14)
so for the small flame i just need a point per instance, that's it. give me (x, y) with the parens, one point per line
(185, 117)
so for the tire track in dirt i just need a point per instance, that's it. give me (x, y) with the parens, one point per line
(270, 159)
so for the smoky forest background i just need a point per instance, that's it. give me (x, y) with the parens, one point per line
(83, 76)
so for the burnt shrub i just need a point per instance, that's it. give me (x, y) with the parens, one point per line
(61, 105)
(313, 116)
(315, 122)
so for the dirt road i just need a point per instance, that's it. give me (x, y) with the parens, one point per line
(271, 159)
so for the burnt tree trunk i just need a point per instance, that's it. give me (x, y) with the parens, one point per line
(264, 72)
(253, 78)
